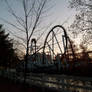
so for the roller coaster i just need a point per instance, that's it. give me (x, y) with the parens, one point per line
(54, 55)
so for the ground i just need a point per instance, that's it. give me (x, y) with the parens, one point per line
(7, 85)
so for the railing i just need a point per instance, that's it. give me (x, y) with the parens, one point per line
(59, 82)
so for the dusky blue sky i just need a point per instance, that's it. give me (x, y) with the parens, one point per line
(59, 13)
(62, 12)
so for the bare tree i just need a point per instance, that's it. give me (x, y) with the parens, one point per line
(29, 21)
(83, 20)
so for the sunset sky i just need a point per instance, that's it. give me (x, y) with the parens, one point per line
(59, 13)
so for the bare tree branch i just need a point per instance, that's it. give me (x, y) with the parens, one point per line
(21, 38)
(37, 18)
(18, 19)
(12, 24)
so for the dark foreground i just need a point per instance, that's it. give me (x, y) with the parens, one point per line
(7, 85)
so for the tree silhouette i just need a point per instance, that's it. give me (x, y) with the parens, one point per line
(6, 49)
(83, 20)
(28, 22)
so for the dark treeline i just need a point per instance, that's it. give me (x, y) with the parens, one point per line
(81, 63)
(8, 57)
